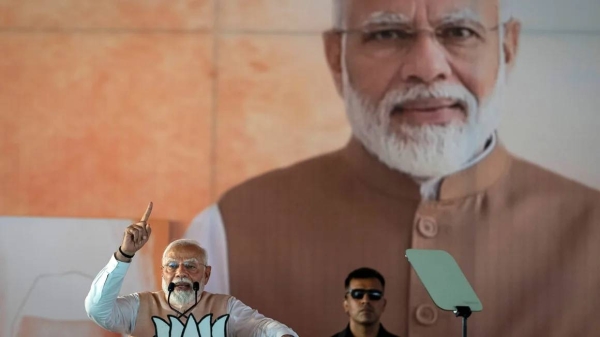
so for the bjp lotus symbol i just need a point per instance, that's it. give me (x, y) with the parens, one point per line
(191, 328)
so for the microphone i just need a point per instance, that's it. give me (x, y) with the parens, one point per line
(171, 288)
(196, 287)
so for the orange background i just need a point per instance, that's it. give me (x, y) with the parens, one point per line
(106, 105)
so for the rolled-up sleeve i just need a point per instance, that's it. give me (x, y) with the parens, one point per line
(103, 303)
(245, 321)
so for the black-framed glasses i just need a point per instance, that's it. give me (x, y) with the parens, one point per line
(191, 267)
(358, 294)
(459, 39)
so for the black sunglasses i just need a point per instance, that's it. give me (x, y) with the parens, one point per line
(358, 294)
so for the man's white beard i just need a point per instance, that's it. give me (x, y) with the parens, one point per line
(424, 151)
(181, 298)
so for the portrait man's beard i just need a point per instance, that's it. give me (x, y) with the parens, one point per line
(424, 151)
(181, 298)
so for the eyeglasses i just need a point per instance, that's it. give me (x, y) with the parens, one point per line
(459, 39)
(358, 294)
(190, 267)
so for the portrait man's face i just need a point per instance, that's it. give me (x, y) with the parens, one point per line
(422, 79)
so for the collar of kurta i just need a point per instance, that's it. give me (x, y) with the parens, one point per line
(472, 180)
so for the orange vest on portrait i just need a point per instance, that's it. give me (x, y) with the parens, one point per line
(527, 240)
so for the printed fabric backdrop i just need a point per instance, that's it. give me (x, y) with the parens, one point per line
(106, 105)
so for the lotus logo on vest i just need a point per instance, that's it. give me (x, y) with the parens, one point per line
(191, 328)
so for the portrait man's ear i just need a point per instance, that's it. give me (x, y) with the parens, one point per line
(333, 52)
(511, 42)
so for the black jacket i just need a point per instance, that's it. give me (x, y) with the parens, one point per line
(347, 333)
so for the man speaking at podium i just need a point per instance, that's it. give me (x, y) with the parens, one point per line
(185, 273)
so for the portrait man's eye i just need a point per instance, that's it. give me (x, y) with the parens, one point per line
(388, 34)
(459, 33)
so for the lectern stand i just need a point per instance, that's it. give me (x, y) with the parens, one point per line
(463, 312)
(446, 284)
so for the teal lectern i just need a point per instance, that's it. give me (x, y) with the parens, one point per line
(446, 284)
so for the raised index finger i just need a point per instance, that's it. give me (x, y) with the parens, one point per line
(147, 214)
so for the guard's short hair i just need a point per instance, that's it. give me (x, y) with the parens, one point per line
(364, 273)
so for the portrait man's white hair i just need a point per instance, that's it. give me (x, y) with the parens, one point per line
(505, 12)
